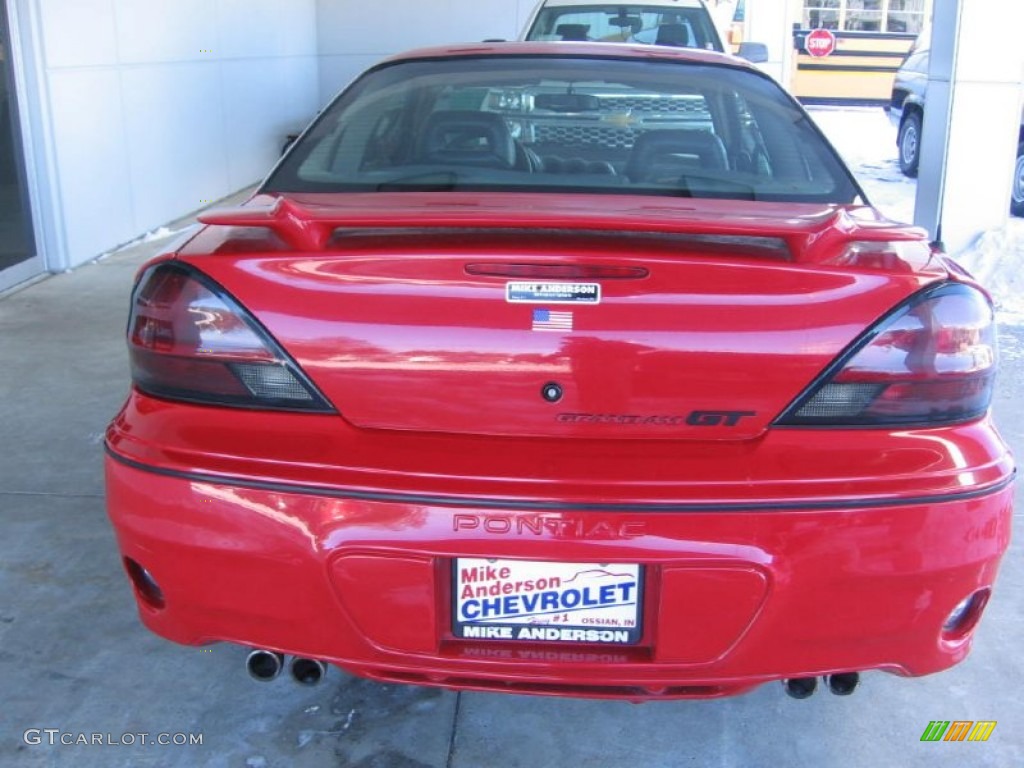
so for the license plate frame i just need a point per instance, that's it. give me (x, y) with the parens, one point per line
(606, 607)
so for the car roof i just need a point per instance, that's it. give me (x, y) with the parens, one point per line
(656, 3)
(576, 49)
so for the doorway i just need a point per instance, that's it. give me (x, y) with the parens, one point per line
(19, 259)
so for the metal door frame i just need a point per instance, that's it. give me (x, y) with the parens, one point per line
(28, 98)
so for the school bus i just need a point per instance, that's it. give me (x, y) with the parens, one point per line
(870, 38)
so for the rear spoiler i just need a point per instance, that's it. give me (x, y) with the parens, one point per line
(833, 238)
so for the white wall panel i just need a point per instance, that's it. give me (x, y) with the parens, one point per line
(157, 106)
(164, 30)
(352, 35)
(335, 72)
(95, 189)
(379, 28)
(272, 28)
(79, 33)
(257, 118)
(483, 19)
(176, 144)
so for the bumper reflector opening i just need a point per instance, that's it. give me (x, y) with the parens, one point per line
(145, 584)
(964, 617)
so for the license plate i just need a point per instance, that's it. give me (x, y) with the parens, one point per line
(546, 602)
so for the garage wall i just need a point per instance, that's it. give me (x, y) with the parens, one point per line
(351, 37)
(148, 110)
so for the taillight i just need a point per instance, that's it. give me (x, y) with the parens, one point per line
(189, 340)
(931, 361)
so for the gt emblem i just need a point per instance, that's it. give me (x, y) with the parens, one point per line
(717, 418)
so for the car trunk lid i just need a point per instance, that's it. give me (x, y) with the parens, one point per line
(530, 315)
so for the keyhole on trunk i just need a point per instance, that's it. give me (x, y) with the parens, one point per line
(551, 392)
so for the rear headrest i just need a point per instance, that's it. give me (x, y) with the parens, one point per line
(658, 154)
(572, 31)
(465, 137)
(674, 34)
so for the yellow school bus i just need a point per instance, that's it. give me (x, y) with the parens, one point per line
(870, 37)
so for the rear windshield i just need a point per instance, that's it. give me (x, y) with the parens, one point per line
(566, 124)
(652, 25)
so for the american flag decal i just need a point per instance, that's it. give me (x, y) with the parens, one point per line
(546, 320)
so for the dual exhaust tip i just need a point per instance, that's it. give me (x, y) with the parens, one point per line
(841, 684)
(265, 666)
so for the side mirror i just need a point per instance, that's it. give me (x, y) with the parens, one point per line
(753, 52)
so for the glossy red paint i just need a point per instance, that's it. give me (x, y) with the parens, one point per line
(733, 598)
(814, 233)
(771, 558)
(783, 468)
(379, 323)
(767, 552)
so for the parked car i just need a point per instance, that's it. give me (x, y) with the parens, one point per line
(678, 23)
(906, 110)
(453, 400)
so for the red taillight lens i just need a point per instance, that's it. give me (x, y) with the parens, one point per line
(932, 361)
(189, 340)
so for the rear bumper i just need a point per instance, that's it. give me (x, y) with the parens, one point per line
(731, 598)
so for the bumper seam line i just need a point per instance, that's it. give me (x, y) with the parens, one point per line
(505, 504)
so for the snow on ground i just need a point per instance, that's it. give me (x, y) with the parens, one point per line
(996, 259)
(161, 234)
(156, 235)
(867, 142)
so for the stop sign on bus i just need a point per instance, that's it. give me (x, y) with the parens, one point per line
(820, 42)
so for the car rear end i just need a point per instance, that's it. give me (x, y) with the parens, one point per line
(455, 421)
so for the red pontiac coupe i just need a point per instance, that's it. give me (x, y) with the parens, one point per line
(565, 369)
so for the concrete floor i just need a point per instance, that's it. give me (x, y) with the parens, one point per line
(74, 657)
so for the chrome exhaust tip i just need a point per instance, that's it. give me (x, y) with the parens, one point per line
(264, 665)
(800, 687)
(308, 671)
(843, 684)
